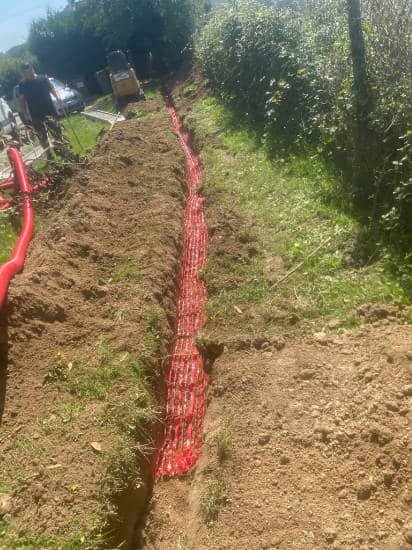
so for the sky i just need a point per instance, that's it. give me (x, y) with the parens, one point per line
(16, 16)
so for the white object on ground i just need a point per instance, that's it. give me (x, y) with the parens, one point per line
(110, 118)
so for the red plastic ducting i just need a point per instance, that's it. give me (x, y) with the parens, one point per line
(187, 380)
(16, 262)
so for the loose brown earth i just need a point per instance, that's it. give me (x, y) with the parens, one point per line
(96, 299)
(317, 452)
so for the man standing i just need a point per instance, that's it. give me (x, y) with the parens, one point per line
(37, 106)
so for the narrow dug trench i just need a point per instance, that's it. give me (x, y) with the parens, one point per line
(187, 380)
(88, 325)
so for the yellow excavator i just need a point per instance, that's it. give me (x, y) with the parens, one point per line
(125, 84)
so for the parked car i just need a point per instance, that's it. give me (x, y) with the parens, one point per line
(7, 118)
(71, 100)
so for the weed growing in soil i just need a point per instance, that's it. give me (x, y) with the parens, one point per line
(291, 206)
(224, 441)
(26, 541)
(127, 271)
(94, 381)
(21, 449)
(55, 423)
(213, 499)
(124, 471)
(151, 338)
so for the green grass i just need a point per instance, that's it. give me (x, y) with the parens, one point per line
(82, 133)
(213, 498)
(95, 379)
(8, 237)
(28, 541)
(105, 377)
(152, 91)
(106, 103)
(225, 440)
(291, 205)
(127, 271)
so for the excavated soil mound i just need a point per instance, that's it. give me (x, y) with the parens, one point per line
(93, 309)
(306, 448)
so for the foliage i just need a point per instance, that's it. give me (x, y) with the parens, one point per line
(10, 74)
(249, 56)
(286, 67)
(76, 40)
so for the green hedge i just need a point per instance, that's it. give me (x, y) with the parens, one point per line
(289, 71)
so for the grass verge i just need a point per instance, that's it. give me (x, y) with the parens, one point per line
(82, 133)
(281, 210)
(106, 103)
(107, 392)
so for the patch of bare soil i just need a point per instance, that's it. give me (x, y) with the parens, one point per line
(306, 447)
(88, 325)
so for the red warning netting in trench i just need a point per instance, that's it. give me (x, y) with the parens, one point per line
(187, 381)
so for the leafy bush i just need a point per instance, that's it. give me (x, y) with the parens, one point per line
(287, 66)
(248, 52)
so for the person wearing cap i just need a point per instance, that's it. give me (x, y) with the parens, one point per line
(37, 106)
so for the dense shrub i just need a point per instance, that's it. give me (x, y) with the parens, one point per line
(248, 53)
(287, 65)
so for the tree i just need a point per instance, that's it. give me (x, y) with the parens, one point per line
(10, 74)
(76, 40)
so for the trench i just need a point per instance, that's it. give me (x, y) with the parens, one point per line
(187, 381)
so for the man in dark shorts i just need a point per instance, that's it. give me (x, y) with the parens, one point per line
(37, 107)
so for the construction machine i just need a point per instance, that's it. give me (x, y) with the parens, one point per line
(125, 84)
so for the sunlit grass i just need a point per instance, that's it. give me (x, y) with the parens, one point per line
(294, 205)
(8, 237)
(106, 103)
(82, 133)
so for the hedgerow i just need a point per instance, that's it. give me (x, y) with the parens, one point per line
(287, 68)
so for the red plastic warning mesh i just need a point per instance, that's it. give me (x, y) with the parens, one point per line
(187, 381)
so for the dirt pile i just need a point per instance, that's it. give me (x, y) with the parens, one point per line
(306, 447)
(89, 323)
